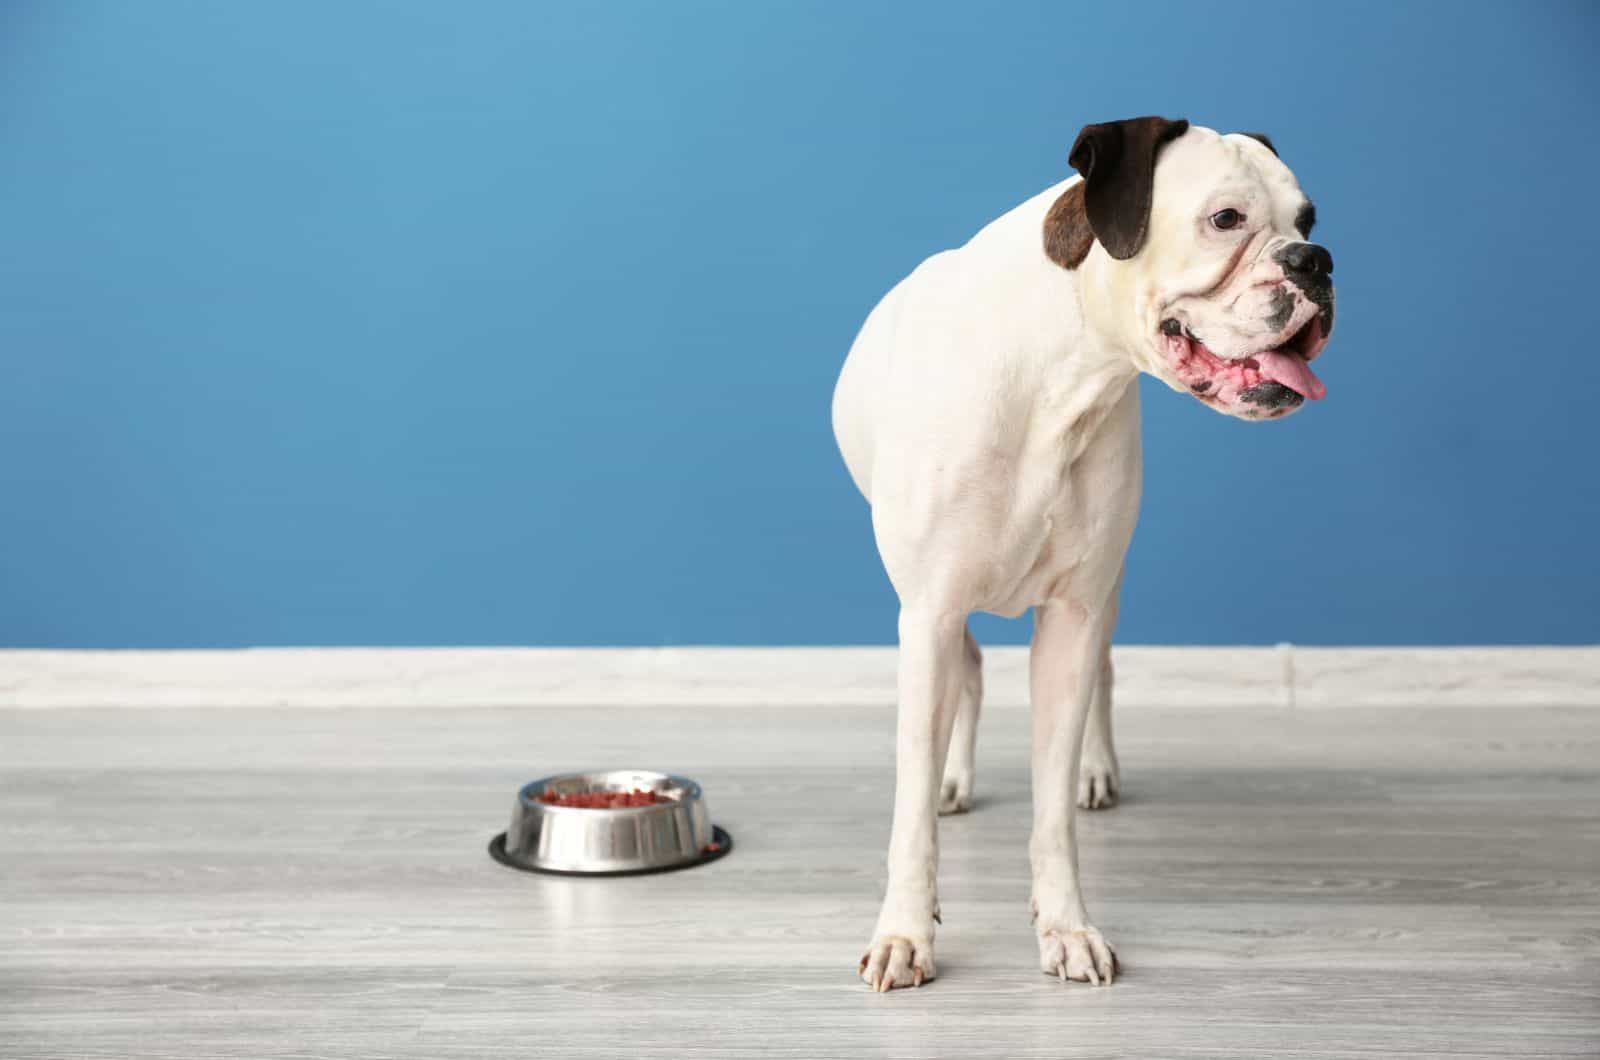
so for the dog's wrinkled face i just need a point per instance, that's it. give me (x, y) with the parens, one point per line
(1199, 244)
(1237, 302)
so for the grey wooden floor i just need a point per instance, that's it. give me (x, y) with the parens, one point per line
(1382, 882)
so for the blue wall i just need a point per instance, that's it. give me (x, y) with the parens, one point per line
(513, 323)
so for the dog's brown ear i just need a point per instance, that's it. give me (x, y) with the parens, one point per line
(1263, 138)
(1067, 235)
(1118, 163)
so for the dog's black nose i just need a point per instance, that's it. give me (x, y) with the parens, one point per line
(1307, 259)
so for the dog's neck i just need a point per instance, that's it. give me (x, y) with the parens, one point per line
(1071, 348)
(1108, 325)
(1088, 374)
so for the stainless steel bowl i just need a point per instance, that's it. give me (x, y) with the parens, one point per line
(569, 839)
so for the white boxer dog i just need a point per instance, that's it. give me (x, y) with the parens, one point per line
(989, 414)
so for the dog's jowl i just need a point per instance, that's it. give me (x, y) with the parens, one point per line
(988, 413)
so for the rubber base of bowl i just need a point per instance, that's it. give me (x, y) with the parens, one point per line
(724, 841)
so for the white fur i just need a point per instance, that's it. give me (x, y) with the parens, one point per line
(987, 412)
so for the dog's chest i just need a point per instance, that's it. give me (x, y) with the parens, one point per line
(1073, 503)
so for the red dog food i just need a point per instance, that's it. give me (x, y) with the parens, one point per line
(604, 800)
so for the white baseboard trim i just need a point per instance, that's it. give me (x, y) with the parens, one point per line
(1284, 676)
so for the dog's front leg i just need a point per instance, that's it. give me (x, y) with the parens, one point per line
(1068, 641)
(931, 669)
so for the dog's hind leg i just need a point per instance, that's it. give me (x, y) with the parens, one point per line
(955, 792)
(1099, 779)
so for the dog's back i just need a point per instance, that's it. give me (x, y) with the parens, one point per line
(960, 300)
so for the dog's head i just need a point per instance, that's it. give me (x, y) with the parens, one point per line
(1198, 245)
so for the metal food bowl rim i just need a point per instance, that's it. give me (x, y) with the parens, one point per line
(691, 789)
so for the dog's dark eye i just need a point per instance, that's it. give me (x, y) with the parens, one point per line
(1223, 220)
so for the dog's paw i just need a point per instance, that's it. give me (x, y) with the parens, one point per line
(897, 961)
(955, 794)
(1082, 955)
(1098, 783)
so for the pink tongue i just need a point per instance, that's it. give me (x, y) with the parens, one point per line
(1292, 371)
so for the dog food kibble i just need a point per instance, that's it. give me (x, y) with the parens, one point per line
(604, 800)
